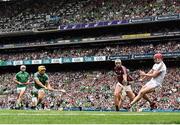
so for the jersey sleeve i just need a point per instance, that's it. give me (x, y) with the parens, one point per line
(36, 76)
(28, 75)
(124, 70)
(16, 76)
(158, 67)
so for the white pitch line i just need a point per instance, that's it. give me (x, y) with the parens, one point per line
(28, 114)
(38, 114)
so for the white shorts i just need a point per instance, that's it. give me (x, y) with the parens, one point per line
(125, 88)
(19, 89)
(152, 84)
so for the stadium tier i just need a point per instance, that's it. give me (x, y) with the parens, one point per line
(28, 15)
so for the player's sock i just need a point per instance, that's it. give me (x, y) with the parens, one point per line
(117, 108)
(39, 102)
(153, 105)
(33, 107)
(18, 103)
(133, 108)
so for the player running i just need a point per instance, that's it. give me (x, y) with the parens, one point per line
(22, 80)
(122, 87)
(157, 74)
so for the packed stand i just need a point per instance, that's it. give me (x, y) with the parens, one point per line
(102, 10)
(91, 89)
(41, 14)
(150, 48)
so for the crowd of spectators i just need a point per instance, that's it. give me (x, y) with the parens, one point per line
(25, 15)
(86, 88)
(91, 89)
(148, 48)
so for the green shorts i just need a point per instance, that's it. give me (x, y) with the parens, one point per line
(35, 91)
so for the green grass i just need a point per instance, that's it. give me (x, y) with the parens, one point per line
(77, 117)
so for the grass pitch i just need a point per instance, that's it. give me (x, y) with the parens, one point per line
(84, 117)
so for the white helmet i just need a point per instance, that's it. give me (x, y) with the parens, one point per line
(118, 61)
(22, 67)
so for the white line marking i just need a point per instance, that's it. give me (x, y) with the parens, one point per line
(69, 114)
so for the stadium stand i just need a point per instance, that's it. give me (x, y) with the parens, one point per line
(43, 14)
(146, 48)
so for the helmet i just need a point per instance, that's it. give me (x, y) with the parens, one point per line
(41, 68)
(118, 61)
(22, 67)
(158, 56)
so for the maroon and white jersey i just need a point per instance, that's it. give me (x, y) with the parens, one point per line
(120, 71)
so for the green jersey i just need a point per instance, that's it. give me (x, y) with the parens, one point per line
(22, 77)
(42, 78)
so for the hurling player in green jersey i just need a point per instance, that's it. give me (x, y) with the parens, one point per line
(22, 80)
(41, 84)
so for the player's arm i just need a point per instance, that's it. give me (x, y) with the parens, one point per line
(39, 83)
(28, 79)
(125, 75)
(145, 77)
(130, 79)
(49, 87)
(152, 74)
(16, 81)
(48, 84)
(36, 80)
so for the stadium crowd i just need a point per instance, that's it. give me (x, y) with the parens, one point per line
(25, 15)
(172, 46)
(90, 89)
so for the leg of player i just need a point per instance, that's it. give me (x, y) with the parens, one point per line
(34, 102)
(152, 104)
(142, 92)
(19, 98)
(145, 96)
(117, 97)
(41, 95)
(130, 95)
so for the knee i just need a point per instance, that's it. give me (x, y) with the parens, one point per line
(41, 94)
(21, 94)
(132, 98)
(142, 93)
(116, 94)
